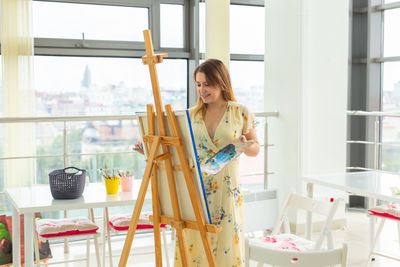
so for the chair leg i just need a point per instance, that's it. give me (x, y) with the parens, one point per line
(88, 251)
(96, 241)
(104, 237)
(329, 239)
(37, 249)
(164, 235)
(398, 228)
(107, 228)
(247, 253)
(96, 248)
(375, 240)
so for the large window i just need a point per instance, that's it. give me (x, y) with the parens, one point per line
(103, 86)
(391, 90)
(87, 61)
(242, 19)
(247, 74)
(375, 81)
(102, 74)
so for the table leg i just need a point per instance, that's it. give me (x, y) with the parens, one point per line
(310, 194)
(66, 247)
(28, 239)
(372, 203)
(16, 233)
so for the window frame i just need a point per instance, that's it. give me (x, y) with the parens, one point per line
(366, 75)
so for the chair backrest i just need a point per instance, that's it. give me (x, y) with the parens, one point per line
(305, 259)
(324, 208)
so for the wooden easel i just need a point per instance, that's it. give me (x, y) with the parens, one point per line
(152, 143)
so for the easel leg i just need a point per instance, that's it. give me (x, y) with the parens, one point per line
(139, 203)
(182, 247)
(156, 218)
(192, 191)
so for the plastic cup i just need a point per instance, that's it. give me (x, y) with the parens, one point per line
(112, 186)
(126, 183)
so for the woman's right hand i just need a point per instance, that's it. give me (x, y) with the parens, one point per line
(138, 147)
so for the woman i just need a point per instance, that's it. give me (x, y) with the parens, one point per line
(217, 120)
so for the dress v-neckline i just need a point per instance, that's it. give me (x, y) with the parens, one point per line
(216, 129)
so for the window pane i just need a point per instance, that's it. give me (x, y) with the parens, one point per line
(391, 126)
(391, 86)
(171, 25)
(49, 139)
(246, 29)
(252, 168)
(98, 22)
(391, 153)
(391, 33)
(105, 137)
(248, 83)
(104, 86)
(173, 82)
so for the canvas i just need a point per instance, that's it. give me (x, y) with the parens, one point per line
(6, 241)
(185, 204)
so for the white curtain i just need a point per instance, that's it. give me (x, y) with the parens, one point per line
(17, 62)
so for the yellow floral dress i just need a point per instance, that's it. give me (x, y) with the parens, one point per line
(224, 195)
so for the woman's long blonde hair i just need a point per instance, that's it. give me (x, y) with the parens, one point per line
(216, 74)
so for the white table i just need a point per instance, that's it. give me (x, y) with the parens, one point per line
(372, 184)
(37, 198)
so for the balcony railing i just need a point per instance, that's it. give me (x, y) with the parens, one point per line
(377, 143)
(66, 154)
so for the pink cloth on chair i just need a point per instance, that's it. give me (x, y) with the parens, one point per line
(284, 242)
(390, 211)
(121, 222)
(62, 227)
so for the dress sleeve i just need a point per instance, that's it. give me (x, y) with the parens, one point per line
(249, 121)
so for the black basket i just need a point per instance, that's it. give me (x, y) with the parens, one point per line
(64, 185)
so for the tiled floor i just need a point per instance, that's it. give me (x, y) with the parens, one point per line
(355, 235)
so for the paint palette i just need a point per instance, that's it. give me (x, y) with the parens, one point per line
(219, 160)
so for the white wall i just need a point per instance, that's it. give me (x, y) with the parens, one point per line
(306, 57)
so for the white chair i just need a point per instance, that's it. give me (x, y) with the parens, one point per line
(287, 258)
(384, 212)
(110, 228)
(89, 230)
(258, 245)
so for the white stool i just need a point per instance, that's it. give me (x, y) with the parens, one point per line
(384, 212)
(48, 229)
(120, 223)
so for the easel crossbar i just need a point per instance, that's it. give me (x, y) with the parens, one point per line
(165, 140)
(210, 228)
(157, 58)
(177, 168)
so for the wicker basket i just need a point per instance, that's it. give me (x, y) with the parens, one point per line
(67, 185)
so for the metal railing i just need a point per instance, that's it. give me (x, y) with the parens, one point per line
(68, 119)
(377, 143)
